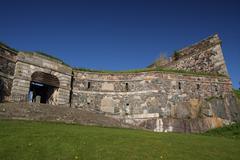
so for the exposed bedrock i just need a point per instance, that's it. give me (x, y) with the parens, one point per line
(193, 116)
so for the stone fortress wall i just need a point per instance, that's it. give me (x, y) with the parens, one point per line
(147, 92)
(160, 100)
(29, 63)
(205, 56)
(8, 59)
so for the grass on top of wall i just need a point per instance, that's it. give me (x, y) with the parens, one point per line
(237, 93)
(7, 46)
(169, 70)
(27, 140)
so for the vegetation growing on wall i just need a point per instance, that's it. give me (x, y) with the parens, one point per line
(231, 131)
(6, 46)
(213, 97)
(176, 55)
(161, 61)
(158, 69)
(237, 93)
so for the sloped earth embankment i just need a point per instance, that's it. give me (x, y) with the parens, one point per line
(45, 112)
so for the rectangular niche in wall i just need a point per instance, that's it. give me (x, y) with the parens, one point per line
(198, 86)
(126, 86)
(88, 85)
(179, 85)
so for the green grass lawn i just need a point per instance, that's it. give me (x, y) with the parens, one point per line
(232, 131)
(237, 93)
(24, 140)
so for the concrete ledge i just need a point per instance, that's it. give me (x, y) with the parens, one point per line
(116, 93)
(143, 116)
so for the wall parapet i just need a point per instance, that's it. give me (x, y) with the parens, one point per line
(204, 56)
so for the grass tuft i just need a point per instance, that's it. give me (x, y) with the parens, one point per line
(213, 97)
(231, 131)
(7, 46)
(237, 93)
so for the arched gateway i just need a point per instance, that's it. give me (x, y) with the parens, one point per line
(43, 87)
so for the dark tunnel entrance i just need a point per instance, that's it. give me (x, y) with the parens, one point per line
(40, 92)
(43, 88)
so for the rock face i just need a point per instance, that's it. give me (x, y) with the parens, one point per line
(208, 114)
(158, 100)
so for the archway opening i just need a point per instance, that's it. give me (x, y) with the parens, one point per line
(43, 88)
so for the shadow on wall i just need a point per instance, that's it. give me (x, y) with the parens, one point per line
(1, 90)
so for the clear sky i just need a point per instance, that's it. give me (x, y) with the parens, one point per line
(120, 34)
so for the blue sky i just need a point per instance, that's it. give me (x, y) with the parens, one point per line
(120, 34)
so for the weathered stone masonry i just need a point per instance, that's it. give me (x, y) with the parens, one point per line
(27, 64)
(205, 56)
(157, 100)
(8, 58)
(147, 92)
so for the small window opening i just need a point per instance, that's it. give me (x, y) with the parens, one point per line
(198, 86)
(127, 104)
(88, 103)
(179, 85)
(88, 85)
(1, 50)
(216, 88)
(126, 86)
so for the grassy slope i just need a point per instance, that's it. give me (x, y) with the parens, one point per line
(237, 93)
(232, 131)
(37, 140)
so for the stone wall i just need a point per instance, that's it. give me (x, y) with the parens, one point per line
(7, 68)
(152, 99)
(205, 56)
(27, 64)
(157, 100)
(147, 92)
